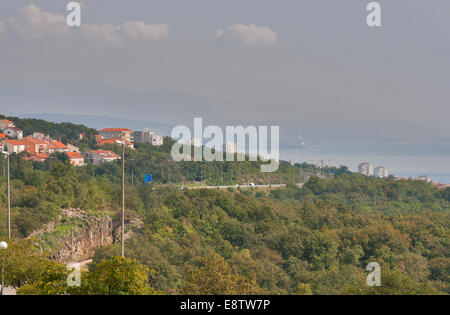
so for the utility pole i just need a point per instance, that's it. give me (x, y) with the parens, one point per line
(123, 200)
(132, 172)
(9, 195)
(9, 202)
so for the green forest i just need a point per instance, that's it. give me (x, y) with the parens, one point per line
(315, 239)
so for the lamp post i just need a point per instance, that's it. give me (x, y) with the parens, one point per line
(3, 245)
(132, 172)
(9, 196)
(123, 196)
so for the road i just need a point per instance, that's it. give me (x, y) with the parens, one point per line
(241, 186)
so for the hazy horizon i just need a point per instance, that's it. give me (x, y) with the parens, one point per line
(314, 67)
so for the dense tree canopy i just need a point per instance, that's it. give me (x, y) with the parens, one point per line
(317, 239)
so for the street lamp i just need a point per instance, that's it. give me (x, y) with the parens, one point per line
(9, 196)
(123, 195)
(132, 172)
(3, 245)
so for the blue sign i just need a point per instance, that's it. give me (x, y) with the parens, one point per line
(147, 178)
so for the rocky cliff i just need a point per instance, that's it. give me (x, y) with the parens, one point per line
(76, 234)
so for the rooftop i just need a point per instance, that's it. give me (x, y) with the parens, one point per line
(74, 155)
(33, 140)
(57, 145)
(14, 142)
(14, 128)
(106, 154)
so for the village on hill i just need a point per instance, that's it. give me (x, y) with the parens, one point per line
(39, 146)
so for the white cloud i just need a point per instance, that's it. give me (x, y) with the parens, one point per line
(249, 35)
(106, 32)
(137, 31)
(2, 27)
(141, 31)
(34, 23)
(37, 24)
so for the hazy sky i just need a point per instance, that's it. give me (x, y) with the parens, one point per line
(249, 59)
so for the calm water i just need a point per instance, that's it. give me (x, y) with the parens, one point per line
(437, 166)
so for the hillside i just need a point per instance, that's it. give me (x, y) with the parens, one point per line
(317, 239)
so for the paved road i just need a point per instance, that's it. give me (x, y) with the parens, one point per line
(241, 186)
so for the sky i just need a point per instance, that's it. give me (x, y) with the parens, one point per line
(312, 63)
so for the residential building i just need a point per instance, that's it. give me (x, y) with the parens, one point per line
(2, 136)
(5, 123)
(14, 132)
(37, 157)
(114, 133)
(40, 136)
(76, 159)
(14, 146)
(381, 171)
(102, 141)
(33, 146)
(365, 169)
(73, 148)
(157, 140)
(425, 178)
(57, 146)
(101, 156)
(148, 136)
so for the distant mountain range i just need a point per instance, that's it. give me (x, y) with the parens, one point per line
(100, 106)
(100, 122)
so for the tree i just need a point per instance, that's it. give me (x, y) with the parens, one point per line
(24, 267)
(53, 281)
(394, 282)
(118, 276)
(215, 276)
(303, 289)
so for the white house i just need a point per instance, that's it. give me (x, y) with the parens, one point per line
(76, 159)
(157, 140)
(148, 136)
(114, 133)
(14, 132)
(100, 156)
(73, 148)
(381, 171)
(14, 146)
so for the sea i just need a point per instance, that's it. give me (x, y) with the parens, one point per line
(436, 166)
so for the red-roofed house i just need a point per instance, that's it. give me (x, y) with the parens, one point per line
(75, 158)
(114, 133)
(2, 135)
(5, 123)
(102, 141)
(34, 145)
(14, 146)
(38, 157)
(56, 146)
(100, 156)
